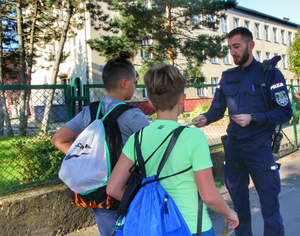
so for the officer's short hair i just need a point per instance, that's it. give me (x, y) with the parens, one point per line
(244, 32)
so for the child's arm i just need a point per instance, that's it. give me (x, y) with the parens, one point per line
(62, 139)
(119, 177)
(212, 198)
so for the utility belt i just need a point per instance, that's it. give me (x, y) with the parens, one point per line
(276, 140)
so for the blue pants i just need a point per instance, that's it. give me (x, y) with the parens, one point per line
(261, 166)
(105, 220)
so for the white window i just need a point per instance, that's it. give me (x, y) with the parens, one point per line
(224, 24)
(211, 18)
(214, 60)
(227, 59)
(73, 48)
(247, 24)
(275, 35)
(290, 39)
(283, 36)
(236, 22)
(257, 30)
(258, 56)
(214, 80)
(197, 20)
(298, 83)
(145, 43)
(201, 92)
(267, 34)
(268, 55)
(277, 66)
(284, 61)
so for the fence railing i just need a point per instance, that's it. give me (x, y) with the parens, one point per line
(27, 157)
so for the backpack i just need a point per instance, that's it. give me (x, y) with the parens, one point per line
(107, 140)
(152, 211)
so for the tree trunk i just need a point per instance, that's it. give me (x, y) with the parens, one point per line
(47, 111)
(4, 116)
(24, 93)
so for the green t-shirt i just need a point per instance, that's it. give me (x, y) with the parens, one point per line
(191, 149)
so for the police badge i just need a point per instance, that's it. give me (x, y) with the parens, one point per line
(281, 98)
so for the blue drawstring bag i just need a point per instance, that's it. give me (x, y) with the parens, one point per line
(152, 212)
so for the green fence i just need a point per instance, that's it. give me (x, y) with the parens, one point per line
(27, 157)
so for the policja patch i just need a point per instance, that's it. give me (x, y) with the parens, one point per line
(281, 98)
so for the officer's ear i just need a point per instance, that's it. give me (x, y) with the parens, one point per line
(251, 45)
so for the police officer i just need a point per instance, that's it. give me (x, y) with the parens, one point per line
(252, 123)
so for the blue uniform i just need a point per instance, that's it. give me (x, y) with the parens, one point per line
(250, 146)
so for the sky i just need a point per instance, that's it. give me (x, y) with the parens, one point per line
(277, 8)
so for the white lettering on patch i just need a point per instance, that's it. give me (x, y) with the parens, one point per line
(274, 86)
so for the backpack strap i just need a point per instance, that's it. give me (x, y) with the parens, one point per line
(93, 110)
(168, 151)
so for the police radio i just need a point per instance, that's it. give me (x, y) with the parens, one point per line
(276, 141)
(277, 137)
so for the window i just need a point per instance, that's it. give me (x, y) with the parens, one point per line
(268, 55)
(277, 66)
(236, 22)
(290, 37)
(298, 83)
(197, 21)
(257, 30)
(275, 35)
(247, 24)
(214, 80)
(201, 92)
(214, 60)
(145, 43)
(73, 48)
(258, 56)
(283, 36)
(224, 24)
(227, 59)
(267, 36)
(284, 61)
(211, 19)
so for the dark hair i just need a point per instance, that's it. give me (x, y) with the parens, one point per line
(116, 69)
(244, 32)
(164, 85)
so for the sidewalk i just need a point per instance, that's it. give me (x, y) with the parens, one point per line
(289, 198)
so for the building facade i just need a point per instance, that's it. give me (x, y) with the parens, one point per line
(272, 36)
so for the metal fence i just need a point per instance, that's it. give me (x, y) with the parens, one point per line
(27, 157)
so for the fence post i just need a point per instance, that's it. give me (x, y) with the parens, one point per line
(294, 114)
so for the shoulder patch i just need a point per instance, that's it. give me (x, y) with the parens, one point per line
(281, 98)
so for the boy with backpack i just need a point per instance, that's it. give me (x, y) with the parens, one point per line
(119, 77)
(165, 89)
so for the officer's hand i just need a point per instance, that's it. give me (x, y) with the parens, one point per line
(201, 121)
(242, 119)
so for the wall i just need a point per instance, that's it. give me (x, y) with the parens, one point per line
(47, 210)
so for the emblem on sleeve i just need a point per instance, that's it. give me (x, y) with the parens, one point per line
(281, 98)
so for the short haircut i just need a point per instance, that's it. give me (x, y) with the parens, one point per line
(164, 84)
(116, 69)
(244, 32)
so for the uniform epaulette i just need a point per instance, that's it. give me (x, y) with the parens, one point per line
(231, 70)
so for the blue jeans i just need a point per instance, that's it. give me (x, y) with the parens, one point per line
(210, 232)
(105, 221)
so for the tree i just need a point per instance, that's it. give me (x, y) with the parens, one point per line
(6, 61)
(168, 29)
(294, 54)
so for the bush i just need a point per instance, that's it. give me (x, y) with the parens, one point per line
(41, 159)
(204, 107)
